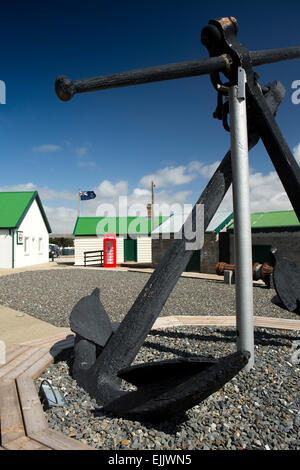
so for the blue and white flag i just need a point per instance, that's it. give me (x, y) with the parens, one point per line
(84, 195)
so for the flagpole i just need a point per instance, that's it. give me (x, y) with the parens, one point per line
(79, 202)
(152, 208)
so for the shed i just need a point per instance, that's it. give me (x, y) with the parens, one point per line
(133, 236)
(203, 260)
(24, 230)
(275, 229)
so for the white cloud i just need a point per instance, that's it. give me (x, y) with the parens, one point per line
(266, 194)
(19, 187)
(107, 189)
(208, 170)
(61, 219)
(168, 176)
(47, 148)
(45, 193)
(182, 174)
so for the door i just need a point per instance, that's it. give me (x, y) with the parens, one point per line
(261, 253)
(194, 263)
(130, 249)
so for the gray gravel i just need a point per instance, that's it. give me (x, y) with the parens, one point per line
(256, 410)
(51, 295)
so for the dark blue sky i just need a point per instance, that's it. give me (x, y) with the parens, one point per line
(124, 134)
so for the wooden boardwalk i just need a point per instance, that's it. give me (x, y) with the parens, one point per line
(22, 419)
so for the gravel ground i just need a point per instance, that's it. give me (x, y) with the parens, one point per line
(51, 295)
(256, 410)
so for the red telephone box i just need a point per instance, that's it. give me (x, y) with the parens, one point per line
(110, 250)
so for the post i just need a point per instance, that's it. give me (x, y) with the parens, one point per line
(79, 202)
(242, 225)
(152, 208)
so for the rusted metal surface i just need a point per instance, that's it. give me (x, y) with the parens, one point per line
(261, 271)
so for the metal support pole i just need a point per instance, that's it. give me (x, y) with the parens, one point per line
(152, 206)
(242, 225)
(79, 202)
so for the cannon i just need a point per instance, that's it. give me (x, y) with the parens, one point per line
(260, 271)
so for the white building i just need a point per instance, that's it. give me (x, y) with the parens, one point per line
(24, 230)
(133, 237)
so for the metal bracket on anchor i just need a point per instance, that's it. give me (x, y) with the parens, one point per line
(242, 79)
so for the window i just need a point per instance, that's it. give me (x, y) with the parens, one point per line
(26, 245)
(40, 247)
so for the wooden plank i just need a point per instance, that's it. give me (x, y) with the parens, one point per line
(10, 413)
(277, 323)
(25, 443)
(13, 352)
(36, 354)
(198, 320)
(7, 368)
(33, 414)
(48, 339)
(57, 441)
(39, 366)
(47, 359)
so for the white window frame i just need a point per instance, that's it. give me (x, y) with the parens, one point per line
(40, 245)
(26, 245)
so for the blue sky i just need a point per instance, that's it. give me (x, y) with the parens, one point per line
(115, 141)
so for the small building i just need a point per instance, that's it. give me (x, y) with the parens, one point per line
(203, 260)
(24, 230)
(133, 237)
(275, 229)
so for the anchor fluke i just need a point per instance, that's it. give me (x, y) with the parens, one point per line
(179, 385)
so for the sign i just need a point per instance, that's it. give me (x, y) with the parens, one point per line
(19, 238)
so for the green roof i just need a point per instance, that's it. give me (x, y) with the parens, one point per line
(15, 205)
(273, 219)
(116, 225)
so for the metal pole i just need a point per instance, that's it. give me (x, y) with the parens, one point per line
(152, 206)
(79, 202)
(242, 225)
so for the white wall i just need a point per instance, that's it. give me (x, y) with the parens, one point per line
(144, 249)
(82, 244)
(120, 250)
(5, 249)
(93, 243)
(33, 228)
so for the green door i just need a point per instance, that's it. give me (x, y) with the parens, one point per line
(130, 249)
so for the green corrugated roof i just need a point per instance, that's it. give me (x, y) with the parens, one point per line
(14, 206)
(273, 219)
(116, 225)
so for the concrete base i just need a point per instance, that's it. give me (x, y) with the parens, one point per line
(17, 327)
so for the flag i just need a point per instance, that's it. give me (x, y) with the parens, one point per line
(84, 195)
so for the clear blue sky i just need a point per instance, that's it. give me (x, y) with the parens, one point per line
(128, 133)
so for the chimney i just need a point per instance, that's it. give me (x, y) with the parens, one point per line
(149, 210)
